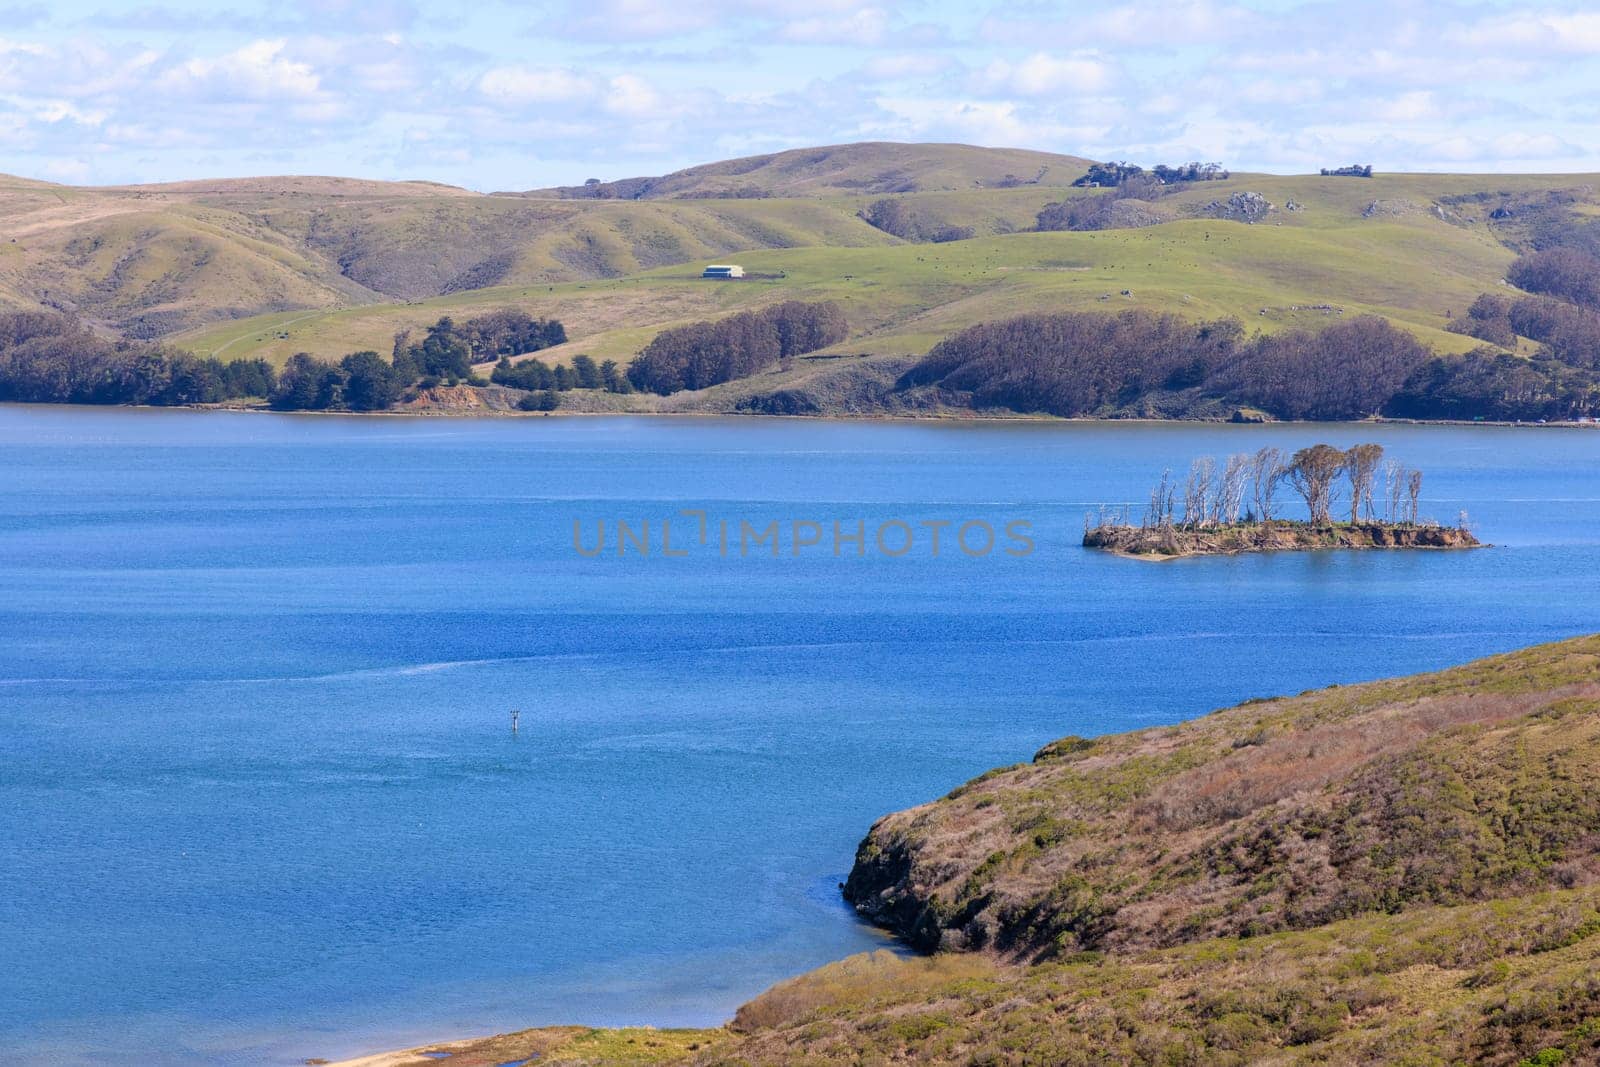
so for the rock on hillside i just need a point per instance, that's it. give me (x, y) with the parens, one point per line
(1240, 207)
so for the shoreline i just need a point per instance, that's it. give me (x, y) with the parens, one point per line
(397, 1057)
(1156, 557)
(955, 418)
(587, 1044)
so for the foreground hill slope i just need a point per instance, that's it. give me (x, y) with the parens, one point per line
(1276, 815)
(1398, 872)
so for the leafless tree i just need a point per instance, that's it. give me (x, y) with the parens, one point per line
(1413, 495)
(1197, 491)
(1231, 486)
(1312, 472)
(1266, 471)
(1361, 466)
(1160, 513)
(1394, 483)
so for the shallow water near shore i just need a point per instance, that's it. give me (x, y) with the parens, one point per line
(260, 799)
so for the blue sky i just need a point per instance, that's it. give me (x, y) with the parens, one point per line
(495, 95)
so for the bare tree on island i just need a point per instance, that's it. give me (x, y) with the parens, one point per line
(1394, 483)
(1230, 488)
(1160, 514)
(1361, 465)
(1312, 472)
(1197, 491)
(1265, 473)
(1213, 496)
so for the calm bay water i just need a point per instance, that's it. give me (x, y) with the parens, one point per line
(259, 798)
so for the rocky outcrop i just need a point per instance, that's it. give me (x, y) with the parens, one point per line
(1390, 209)
(462, 399)
(1245, 207)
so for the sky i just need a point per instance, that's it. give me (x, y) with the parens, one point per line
(495, 95)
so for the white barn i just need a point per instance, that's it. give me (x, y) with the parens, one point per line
(723, 270)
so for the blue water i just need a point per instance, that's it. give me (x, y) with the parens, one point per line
(259, 796)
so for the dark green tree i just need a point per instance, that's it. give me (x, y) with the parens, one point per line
(587, 373)
(371, 383)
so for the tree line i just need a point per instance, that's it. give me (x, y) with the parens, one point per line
(584, 373)
(1159, 365)
(50, 358)
(1126, 181)
(448, 349)
(703, 354)
(1111, 174)
(444, 354)
(1244, 488)
(1559, 309)
(47, 357)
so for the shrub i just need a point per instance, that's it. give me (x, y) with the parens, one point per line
(1569, 273)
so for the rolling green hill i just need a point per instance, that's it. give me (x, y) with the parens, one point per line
(150, 260)
(272, 266)
(1332, 257)
(1400, 872)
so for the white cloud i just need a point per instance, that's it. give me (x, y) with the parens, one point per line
(1269, 84)
(613, 20)
(906, 65)
(258, 71)
(986, 122)
(1043, 74)
(527, 85)
(1161, 26)
(1415, 106)
(1573, 32)
(1526, 148)
(632, 97)
(868, 26)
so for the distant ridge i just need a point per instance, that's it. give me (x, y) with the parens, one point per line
(868, 167)
(304, 184)
(150, 260)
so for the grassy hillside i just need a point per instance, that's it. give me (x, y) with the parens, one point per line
(226, 264)
(273, 266)
(147, 261)
(872, 167)
(1400, 872)
(1409, 265)
(150, 260)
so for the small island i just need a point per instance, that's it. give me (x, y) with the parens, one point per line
(1233, 507)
